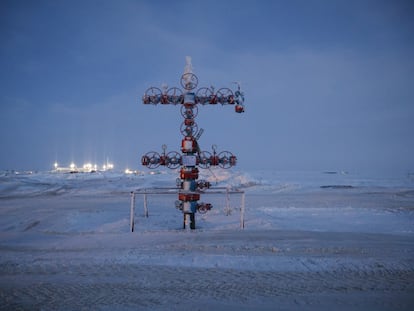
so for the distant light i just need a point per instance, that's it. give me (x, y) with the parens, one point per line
(107, 166)
(72, 166)
(87, 167)
(56, 165)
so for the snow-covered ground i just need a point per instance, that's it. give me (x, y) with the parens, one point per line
(312, 241)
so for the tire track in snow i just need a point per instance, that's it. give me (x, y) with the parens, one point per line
(81, 286)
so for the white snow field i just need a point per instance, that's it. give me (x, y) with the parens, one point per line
(312, 241)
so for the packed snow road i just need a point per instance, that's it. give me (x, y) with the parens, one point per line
(226, 270)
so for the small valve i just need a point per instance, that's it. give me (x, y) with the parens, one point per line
(239, 108)
(203, 208)
(202, 184)
(179, 205)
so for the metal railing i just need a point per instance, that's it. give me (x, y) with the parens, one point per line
(174, 191)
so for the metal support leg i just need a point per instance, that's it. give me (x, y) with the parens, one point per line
(192, 221)
(132, 212)
(145, 205)
(227, 208)
(189, 221)
(185, 221)
(242, 211)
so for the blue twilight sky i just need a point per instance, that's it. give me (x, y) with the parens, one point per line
(329, 85)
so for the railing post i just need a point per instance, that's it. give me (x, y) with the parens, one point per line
(242, 211)
(145, 205)
(132, 212)
(227, 209)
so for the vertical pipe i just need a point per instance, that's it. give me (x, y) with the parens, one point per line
(228, 212)
(185, 220)
(132, 212)
(242, 212)
(192, 221)
(145, 205)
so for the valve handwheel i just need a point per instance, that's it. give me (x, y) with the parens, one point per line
(154, 95)
(225, 159)
(175, 95)
(189, 81)
(174, 159)
(204, 95)
(188, 130)
(224, 95)
(202, 209)
(204, 158)
(154, 159)
(189, 112)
